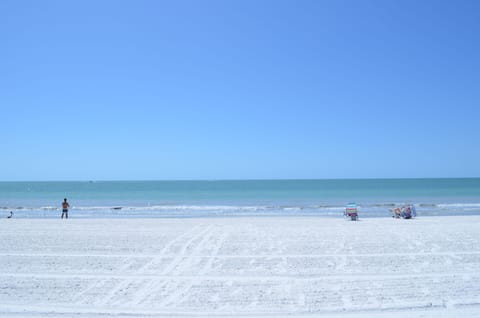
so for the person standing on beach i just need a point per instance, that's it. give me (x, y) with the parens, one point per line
(65, 207)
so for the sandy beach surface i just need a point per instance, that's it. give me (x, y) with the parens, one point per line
(248, 267)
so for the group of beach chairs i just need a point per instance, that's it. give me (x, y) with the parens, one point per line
(404, 212)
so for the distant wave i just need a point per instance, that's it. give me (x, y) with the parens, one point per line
(459, 205)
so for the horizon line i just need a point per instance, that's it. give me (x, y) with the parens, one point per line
(246, 179)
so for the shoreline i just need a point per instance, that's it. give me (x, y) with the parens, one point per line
(234, 216)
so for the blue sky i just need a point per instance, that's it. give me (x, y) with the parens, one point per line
(119, 90)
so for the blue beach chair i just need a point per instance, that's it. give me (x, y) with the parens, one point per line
(408, 211)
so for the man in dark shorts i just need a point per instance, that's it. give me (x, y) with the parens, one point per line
(65, 207)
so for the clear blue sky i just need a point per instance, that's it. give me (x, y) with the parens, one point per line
(93, 90)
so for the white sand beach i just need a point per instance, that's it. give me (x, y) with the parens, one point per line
(249, 267)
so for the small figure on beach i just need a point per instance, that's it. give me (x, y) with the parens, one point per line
(11, 215)
(65, 207)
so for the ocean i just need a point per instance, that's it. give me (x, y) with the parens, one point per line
(124, 199)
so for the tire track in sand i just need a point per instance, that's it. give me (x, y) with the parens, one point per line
(180, 293)
(123, 284)
(148, 287)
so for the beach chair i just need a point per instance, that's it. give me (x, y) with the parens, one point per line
(396, 212)
(351, 211)
(406, 212)
(409, 211)
(414, 211)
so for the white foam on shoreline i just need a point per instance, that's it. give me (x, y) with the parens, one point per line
(205, 210)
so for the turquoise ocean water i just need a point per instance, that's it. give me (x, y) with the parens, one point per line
(238, 198)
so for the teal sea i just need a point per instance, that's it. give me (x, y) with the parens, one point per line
(459, 196)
